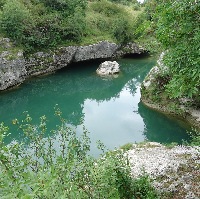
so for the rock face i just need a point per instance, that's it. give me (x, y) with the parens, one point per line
(129, 49)
(108, 68)
(100, 50)
(41, 63)
(159, 69)
(15, 68)
(12, 66)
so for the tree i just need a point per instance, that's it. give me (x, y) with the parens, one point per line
(178, 30)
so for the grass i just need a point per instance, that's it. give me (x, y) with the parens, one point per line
(100, 17)
(102, 20)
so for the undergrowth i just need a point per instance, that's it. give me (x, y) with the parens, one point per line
(39, 167)
(39, 25)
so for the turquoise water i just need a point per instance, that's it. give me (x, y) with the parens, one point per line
(109, 108)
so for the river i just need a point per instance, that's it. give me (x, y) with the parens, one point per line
(110, 108)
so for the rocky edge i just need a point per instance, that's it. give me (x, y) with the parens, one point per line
(181, 109)
(15, 68)
(175, 170)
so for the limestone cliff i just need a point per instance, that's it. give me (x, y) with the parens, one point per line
(15, 68)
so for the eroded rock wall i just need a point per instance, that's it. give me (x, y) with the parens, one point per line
(15, 68)
(12, 65)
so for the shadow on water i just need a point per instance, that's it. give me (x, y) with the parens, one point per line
(109, 107)
(160, 128)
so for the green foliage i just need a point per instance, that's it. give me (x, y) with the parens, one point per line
(125, 2)
(136, 6)
(127, 146)
(68, 6)
(178, 29)
(14, 16)
(110, 19)
(144, 28)
(122, 30)
(195, 135)
(45, 169)
(107, 8)
(40, 24)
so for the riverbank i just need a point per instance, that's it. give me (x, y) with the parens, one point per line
(175, 171)
(188, 115)
(154, 96)
(15, 68)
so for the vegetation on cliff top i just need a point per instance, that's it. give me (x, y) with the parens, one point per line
(176, 28)
(36, 25)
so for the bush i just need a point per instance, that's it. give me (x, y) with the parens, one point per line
(179, 35)
(13, 19)
(122, 30)
(136, 7)
(74, 27)
(107, 8)
(125, 2)
(39, 170)
(112, 19)
(37, 26)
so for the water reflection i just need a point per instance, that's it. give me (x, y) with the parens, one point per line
(110, 108)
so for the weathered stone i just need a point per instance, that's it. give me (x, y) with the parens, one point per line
(101, 50)
(5, 43)
(108, 68)
(41, 63)
(129, 49)
(12, 72)
(64, 56)
(172, 169)
(159, 69)
(14, 68)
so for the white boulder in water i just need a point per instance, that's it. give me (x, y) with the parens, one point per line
(108, 68)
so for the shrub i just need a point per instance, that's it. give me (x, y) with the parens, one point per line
(179, 35)
(125, 2)
(122, 30)
(39, 170)
(107, 8)
(74, 27)
(136, 6)
(13, 19)
(114, 19)
(36, 25)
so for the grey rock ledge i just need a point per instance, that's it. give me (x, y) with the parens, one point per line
(15, 68)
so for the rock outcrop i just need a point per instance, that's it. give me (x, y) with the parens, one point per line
(174, 170)
(15, 68)
(42, 63)
(159, 70)
(108, 68)
(12, 66)
(130, 49)
(101, 50)
(156, 79)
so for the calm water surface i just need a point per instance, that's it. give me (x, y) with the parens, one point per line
(109, 108)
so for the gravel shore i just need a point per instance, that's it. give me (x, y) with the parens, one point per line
(175, 170)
